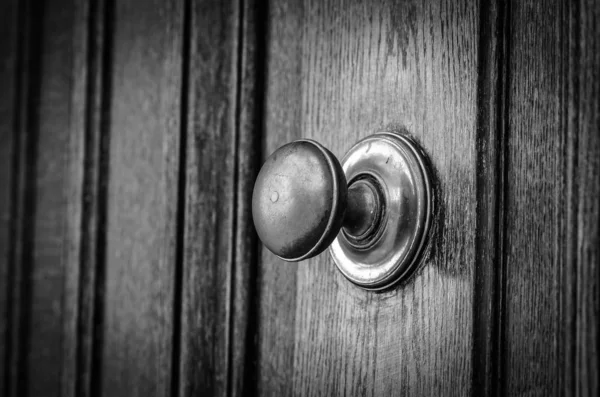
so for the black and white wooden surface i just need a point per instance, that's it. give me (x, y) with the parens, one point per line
(130, 136)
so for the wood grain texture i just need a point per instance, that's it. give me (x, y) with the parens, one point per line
(142, 199)
(491, 185)
(130, 136)
(48, 350)
(86, 281)
(551, 332)
(57, 206)
(50, 327)
(9, 77)
(219, 242)
(276, 279)
(210, 198)
(250, 102)
(586, 309)
(338, 72)
(46, 208)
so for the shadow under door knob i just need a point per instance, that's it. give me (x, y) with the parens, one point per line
(374, 210)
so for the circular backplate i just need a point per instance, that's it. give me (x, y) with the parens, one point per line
(398, 165)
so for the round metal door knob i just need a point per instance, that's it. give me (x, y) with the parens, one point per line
(299, 200)
(374, 209)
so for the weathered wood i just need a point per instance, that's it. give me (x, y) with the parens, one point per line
(552, 250)
(336, 73)
(142, 204)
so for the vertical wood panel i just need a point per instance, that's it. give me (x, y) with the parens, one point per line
(221, 163)
(141, 229)
(57, 204)
(85, 279)
(586, 311)
(63, 172)
(552, 245)
(250, 102)
(347, 70)
(22, 197)
(276, 279)
(9, 76)
(47, 207)
(209, 246)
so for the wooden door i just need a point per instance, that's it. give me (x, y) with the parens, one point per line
(130, 136)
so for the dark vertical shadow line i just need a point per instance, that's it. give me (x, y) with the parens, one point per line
(236, 181)
(491, 187)
(504, 35)
(105, 86)
(24, 193)
(260, 10)
(564, 297)
(486, 185)
(562, 347)
(487, 191)
(181, 200)
(88, 203)
(93, 195)
(13, 273)
(574, 198)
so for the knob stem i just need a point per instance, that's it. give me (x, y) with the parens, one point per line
(363, 211)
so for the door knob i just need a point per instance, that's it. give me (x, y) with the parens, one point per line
(373, 210)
